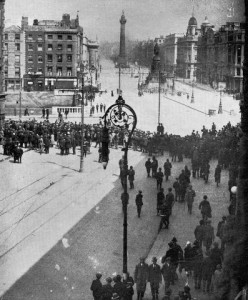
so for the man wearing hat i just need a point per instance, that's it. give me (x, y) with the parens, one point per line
(107, 290)
(141, 274)
(96, 287)
(155, 278)
(129, 282)
(139, 202)
(119, 287)
(167, 272)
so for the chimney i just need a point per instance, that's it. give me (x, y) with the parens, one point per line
(24, 22)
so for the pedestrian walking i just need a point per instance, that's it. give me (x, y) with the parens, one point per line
(96, 287)
(216, 255)
(119, 287)
(154, 166)
(107, 290)
(139, 202)
(205, 208)
(160, 200)
(97, 107)
(170, 200)
(215, 281)
(104, 107)
(148, 166)
(131, 174)
(189, 198)
(199, 232)
(167, 273)
(129, 283)
(207, 272)
(159, 177)
(220, 232)
(208, 237)
(167, 169)
(155, 278)
(217, 174)
(177, 188)
(47, 113)
(43, 112)
(141, 274)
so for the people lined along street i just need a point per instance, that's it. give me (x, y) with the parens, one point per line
(202, 258)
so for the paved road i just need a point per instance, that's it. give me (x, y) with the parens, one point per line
(42, 199)
(95, 242)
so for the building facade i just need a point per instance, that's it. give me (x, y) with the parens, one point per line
(170, 50)
(14, 58)
(221, 56)
(50, 54)
(187, 51)
(2, 83)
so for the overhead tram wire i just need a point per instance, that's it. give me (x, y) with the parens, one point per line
(186, 105)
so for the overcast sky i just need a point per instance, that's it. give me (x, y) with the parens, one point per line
(145, 18)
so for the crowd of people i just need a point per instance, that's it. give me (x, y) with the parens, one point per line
(201, 259)
(223, 145)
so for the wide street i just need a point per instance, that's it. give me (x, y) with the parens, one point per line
(95, 241)
(58, 226)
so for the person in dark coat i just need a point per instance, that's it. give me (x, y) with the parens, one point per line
(107, 290)
(155, 278)
(47, 113)
(177, 188)
(131, 174)
(217, 174)
(139, 202)
(216, 255)
(197, 264)
(208, 235)
(205, 208)
(129, 283)
(154, 166)
(96, 287)
(141, 274)
(119, 287)
(167, 169)
(160, 200)
(199, 232)
(207, 272)
(43, 112)
(167, 273)
(159, 177)
(148, 166)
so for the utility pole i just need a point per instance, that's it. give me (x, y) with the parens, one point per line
(159, 96)
(119, 79)
(20, 97)
(82, 127)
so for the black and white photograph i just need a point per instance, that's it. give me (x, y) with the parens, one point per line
(124, 150)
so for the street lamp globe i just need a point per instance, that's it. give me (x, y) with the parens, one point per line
(234, 190)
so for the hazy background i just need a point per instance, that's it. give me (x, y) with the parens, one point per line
(145, 18)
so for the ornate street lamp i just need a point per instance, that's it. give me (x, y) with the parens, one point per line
(124, 117)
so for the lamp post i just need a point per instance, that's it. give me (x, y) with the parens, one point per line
(124, 117)
(82, 122)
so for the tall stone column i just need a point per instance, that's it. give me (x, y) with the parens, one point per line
(2, 83)
(122, 54)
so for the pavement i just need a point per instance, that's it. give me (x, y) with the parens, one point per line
(92, 240)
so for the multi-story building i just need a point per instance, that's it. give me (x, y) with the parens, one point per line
(170, 49)
(187, 51)
(221, 55)
(14, 58)
(2, 84)
(48, 54)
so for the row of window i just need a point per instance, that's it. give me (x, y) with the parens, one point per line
(17, 36)
(17, 47)
(50, 57)
(51, 37)
(49, 47)
(59, 71)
